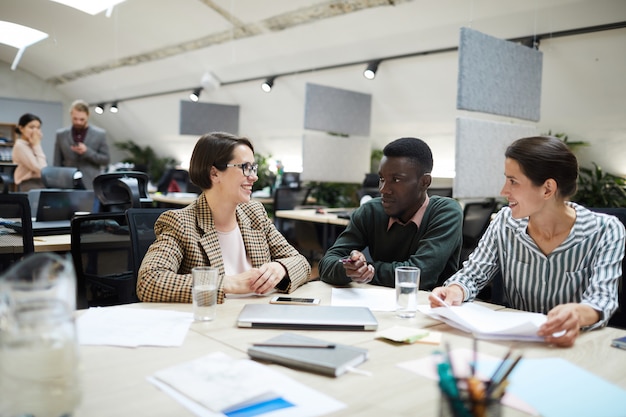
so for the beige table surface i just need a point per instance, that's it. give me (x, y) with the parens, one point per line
(114, 379)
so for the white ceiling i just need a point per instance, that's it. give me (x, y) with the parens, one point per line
(151, 46)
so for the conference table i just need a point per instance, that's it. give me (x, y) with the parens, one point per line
(175, 200)
(114, 378)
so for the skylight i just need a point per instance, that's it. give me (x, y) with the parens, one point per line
(19, 37)
(93, 7)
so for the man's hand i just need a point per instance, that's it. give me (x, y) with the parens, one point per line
(80, 148)
(357, 268)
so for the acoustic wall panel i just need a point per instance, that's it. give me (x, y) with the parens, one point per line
(479, 155)
(338, 111)
(201, 118)
(498, 77)
(328, 158)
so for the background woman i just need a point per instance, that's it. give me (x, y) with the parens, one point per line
(28, 153)
(223, 228)
(556, 257)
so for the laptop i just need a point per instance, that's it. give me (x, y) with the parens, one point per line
(54, 209)
(279, 316)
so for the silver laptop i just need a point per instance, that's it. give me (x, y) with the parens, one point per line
(278, 316)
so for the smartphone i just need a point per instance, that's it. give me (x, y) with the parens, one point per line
(620, 342)
(294, 300)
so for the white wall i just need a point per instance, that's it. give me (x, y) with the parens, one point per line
(583, 94)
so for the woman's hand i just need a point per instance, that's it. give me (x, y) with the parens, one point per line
(35, 137)
(452, 295)
(268, 277)
(564, 323)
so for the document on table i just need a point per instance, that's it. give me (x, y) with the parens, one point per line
(376, 299)
(485, 323)
(218, 385)
(132, 327)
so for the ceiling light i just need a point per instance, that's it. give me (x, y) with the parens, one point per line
(370, 71)
(99, 108)
(195, 95)
(19, 37)
(113, 108)
(268, 84)
(92, 7)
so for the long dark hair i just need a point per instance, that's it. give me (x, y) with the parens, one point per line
(544, 157)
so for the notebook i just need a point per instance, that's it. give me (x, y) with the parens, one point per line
(299, 352)
(277, 316)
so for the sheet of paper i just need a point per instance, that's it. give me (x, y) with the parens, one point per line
(132, 327)
(485, 323)
(377, 299)
(307, 402)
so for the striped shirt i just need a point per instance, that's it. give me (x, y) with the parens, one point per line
(585, 268)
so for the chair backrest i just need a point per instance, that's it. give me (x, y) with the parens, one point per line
(181, 178)
(286, 198)
(119, 191)
(619, 318)
(62, 177)
(141, 227)
(476, 218)
(101, 252)
(13, 207)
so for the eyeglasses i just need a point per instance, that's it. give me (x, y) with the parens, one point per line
(247, 168)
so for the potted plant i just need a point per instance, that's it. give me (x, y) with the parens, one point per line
(145, 159)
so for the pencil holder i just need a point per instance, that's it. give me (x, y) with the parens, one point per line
(465, 406)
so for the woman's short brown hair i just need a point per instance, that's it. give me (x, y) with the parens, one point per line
(213, 149)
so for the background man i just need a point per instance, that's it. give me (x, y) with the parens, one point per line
(82, 146)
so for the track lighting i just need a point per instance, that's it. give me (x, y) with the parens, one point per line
(268, 84)
(99, 108)
(370, 71)
(113, 108)
(195, 95)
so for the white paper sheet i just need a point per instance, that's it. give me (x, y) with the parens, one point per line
(132, 327)
(377, 299)
(308, 402)
(485, 323)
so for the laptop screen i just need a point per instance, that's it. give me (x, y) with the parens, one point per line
(56, 205)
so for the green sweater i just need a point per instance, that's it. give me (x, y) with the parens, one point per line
(434, 248)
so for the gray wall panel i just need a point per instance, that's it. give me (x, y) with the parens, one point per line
(201, 118)
(336, 110)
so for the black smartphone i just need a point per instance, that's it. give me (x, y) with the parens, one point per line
(294, 300)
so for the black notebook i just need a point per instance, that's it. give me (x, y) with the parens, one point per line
(309, 354)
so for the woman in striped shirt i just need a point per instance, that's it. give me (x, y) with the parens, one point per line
(555, 256)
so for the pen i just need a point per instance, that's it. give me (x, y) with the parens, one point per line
(294, 345)
(346, 260)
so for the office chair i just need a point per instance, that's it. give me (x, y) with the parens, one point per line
(119, 191)
(141, 227)
(476, 218)
(7, 183)
(619, 318)
(286, 198)
(181, 178)
(62, 177)
(101, 252)
(13, 207)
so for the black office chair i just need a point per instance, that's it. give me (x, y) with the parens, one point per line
(181, 178)
(119, 191)
(101, 252)
(286, 198)
(619, 318)
(62, 177)
(15, 207)
(7, 182)
(476, 218)
(141, 227)
(369, 186)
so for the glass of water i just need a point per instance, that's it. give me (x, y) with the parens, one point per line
(204, 291)
(407, 284)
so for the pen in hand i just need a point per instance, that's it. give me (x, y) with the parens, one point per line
(436, 297)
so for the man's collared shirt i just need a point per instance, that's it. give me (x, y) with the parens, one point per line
(417, 217)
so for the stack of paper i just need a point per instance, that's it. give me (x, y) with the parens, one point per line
(489, 324)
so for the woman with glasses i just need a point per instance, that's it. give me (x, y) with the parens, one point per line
(223, 228)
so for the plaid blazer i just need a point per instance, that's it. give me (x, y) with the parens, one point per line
(187, 238)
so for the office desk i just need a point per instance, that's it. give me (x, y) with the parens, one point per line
(114, 379)
(328, 219)
(184, 199)
(12, 244)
